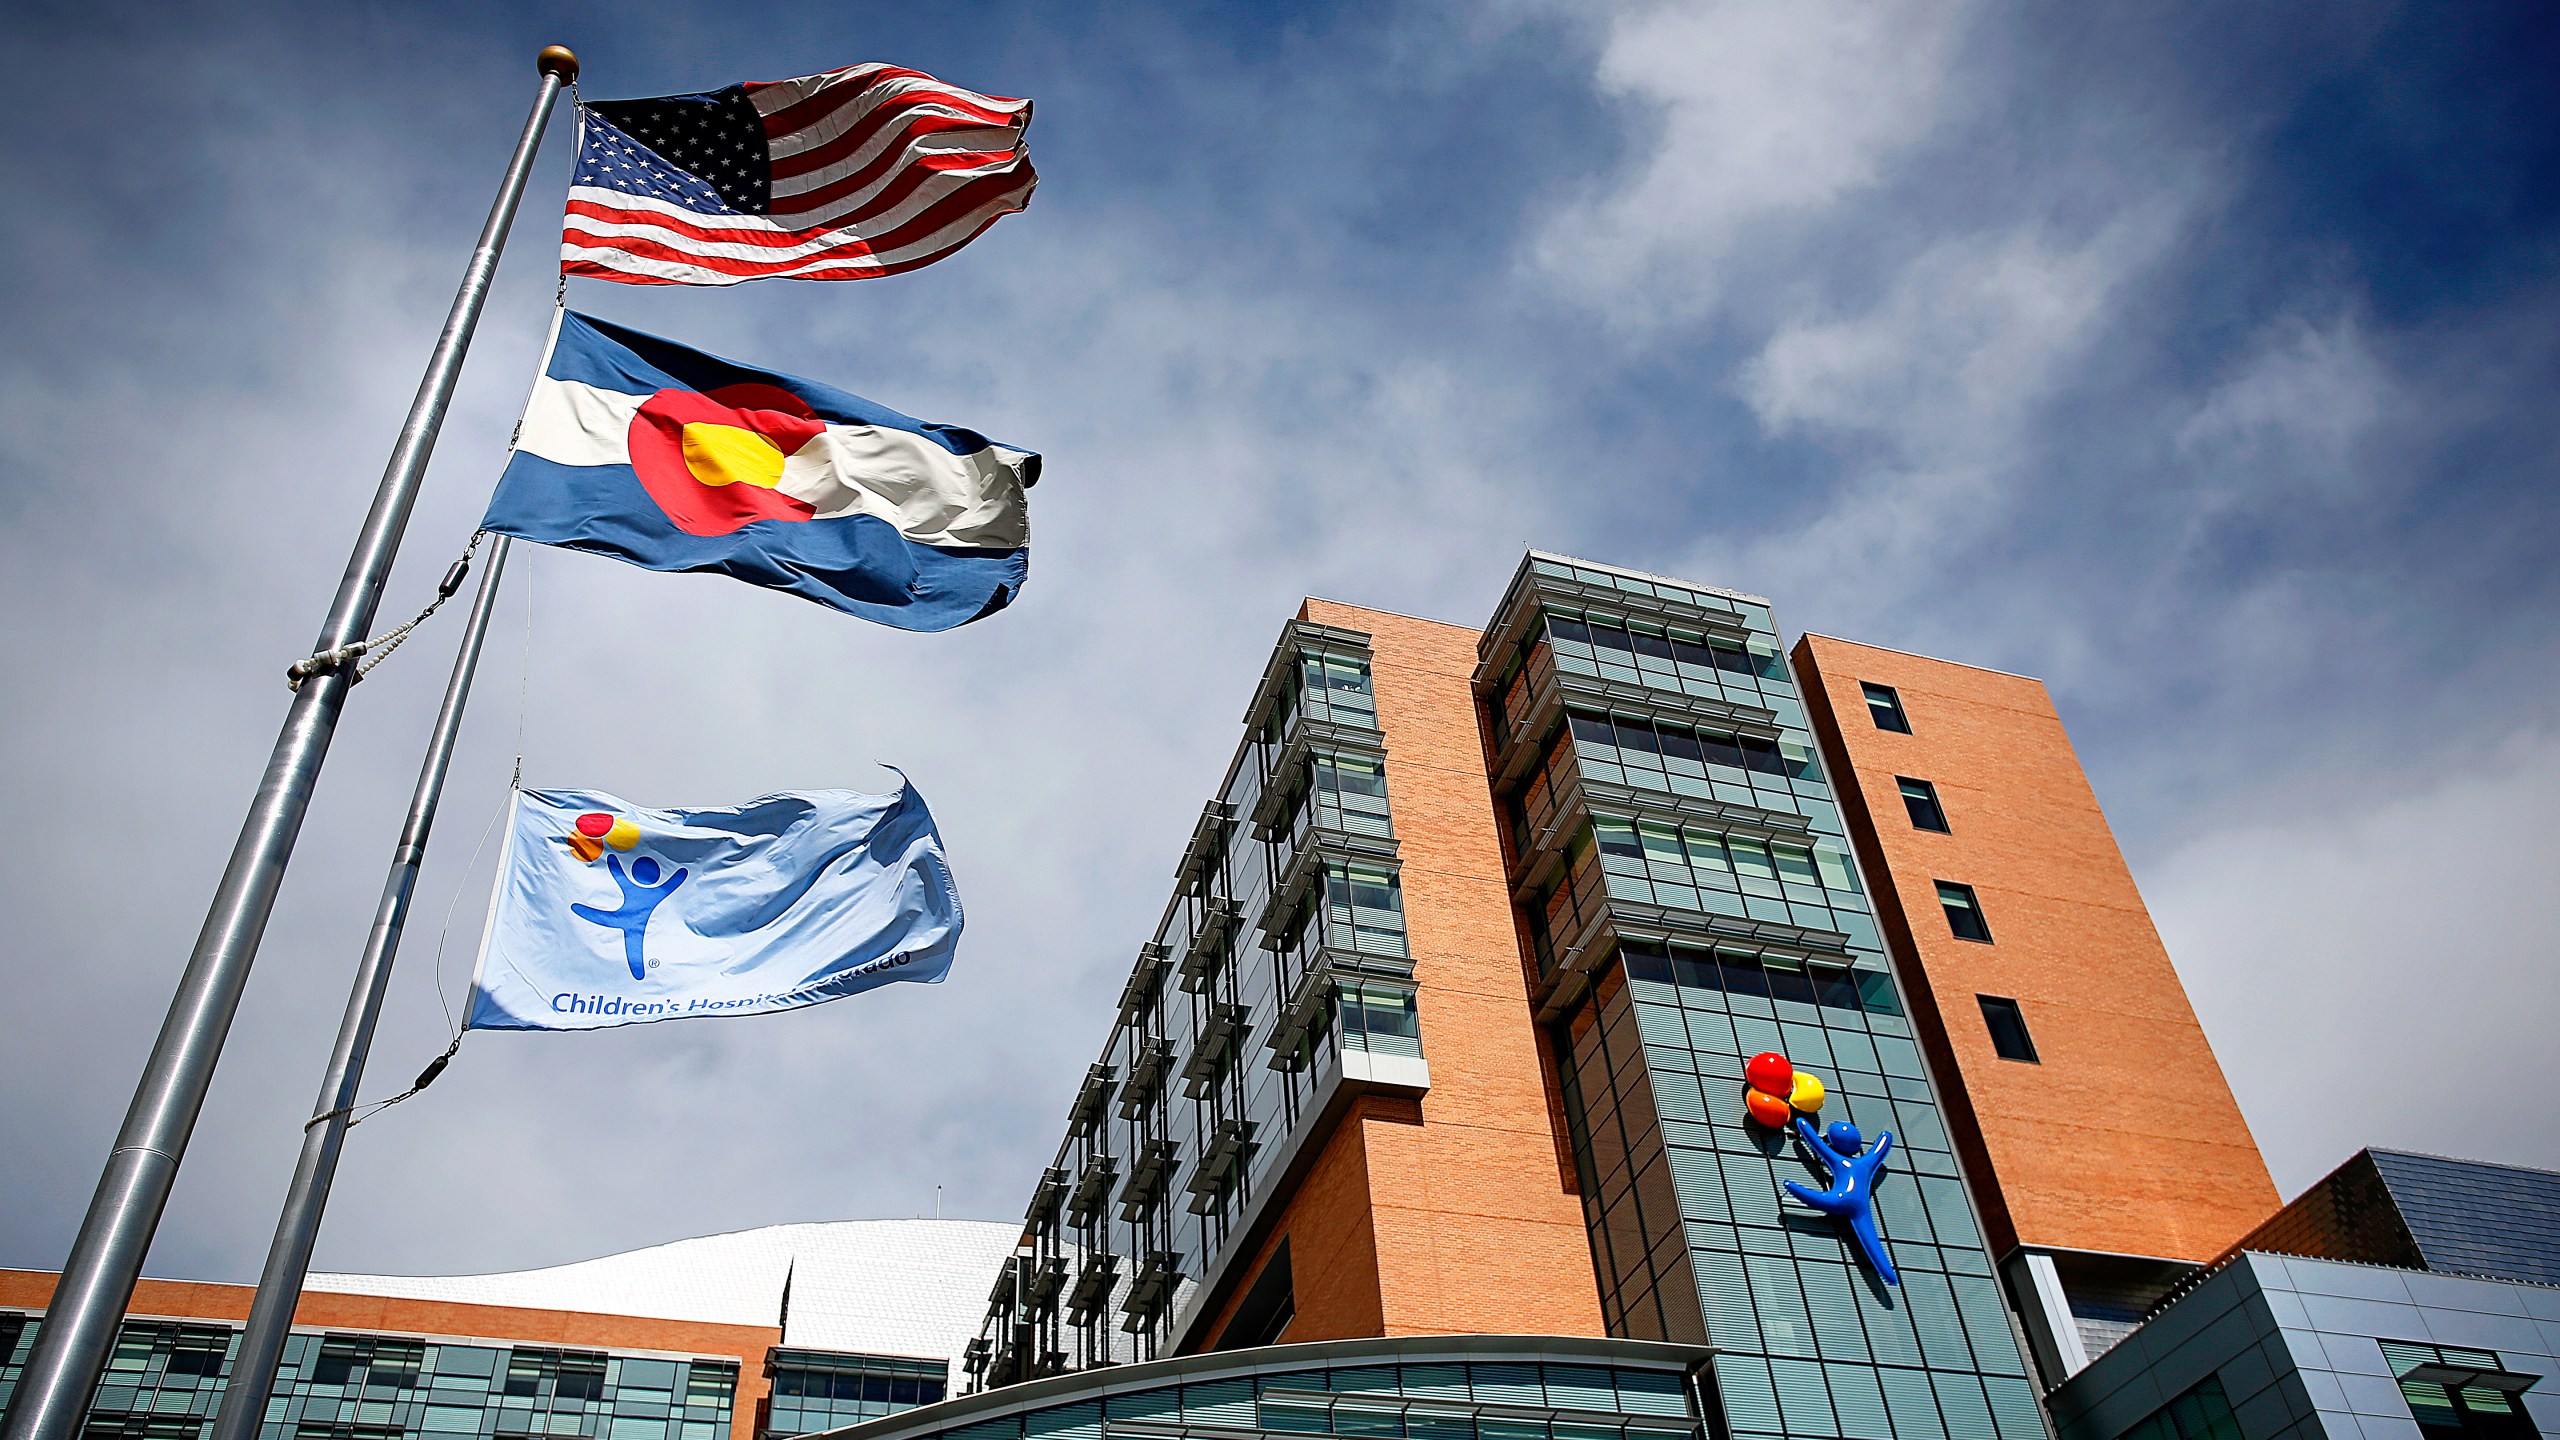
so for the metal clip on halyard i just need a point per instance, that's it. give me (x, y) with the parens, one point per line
(381, 646)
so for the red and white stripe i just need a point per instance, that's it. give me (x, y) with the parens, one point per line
(876, 170)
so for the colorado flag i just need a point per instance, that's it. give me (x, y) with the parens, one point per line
(607, 913)
(639, 448)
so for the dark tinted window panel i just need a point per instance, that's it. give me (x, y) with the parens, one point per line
(1885, 707)
(1920, 798)
(1637, 735)
(2008, 1026)
(1964, 912)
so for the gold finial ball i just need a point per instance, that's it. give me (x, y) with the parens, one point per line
(557, 60)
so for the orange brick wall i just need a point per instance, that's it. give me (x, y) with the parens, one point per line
(2125, 1137)
(1475, 1229)
(321, 1310)
(1333, 1246)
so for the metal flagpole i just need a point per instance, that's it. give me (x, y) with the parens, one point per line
(253, 1370)
(97, 1280)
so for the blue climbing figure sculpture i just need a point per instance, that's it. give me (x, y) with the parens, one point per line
(1851, 1196)
(641, 895)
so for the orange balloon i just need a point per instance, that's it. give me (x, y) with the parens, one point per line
(1768, 1109)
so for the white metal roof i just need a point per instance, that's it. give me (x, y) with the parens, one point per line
(880, 1287)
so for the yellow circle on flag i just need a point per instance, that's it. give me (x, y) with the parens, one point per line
(728, 455)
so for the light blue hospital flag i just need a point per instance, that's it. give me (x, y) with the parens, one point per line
(610, 914)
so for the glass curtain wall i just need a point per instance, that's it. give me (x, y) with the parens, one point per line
(165, 1380)
(1691, 899)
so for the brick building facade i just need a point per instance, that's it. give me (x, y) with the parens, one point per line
(1571, 869)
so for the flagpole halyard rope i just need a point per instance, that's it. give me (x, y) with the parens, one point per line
(379, 647)
(372, 1108)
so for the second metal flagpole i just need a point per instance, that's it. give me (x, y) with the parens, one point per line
(106, 1259)
(253, 1370)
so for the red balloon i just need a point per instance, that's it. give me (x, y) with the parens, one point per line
(595, 825)
(1769, 1072)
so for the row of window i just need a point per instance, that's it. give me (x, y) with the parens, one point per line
(869, 1389)
(2000, 1015)
(1750, 975)
(1693, 850)
(1620, 642)
(164, 1380)
(1636, 739)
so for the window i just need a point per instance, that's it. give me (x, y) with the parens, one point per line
(2202, 1413)
(1886, 707)
(2457, 1394)
(1380, 1018)
(1755, 976)
(1964, 913)
(2008, 1027)
(1921, 799)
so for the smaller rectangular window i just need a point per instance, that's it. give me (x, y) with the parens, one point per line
(1761, 755)
(1725, 750)
(1921, 799)
(1886, 707)
(2008, 1028)
(1964, 912)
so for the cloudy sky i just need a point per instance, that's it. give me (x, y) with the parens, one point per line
(2196, 359)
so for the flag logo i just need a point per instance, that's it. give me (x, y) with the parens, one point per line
(595, 830)
(714, 462)
(668, 458)
(789, 900)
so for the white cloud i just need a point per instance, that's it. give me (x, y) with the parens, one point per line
(1929, 399)
(1217, 448)
(1973, 332)
(2377, 968)
(2291, 419)
(1751, 113)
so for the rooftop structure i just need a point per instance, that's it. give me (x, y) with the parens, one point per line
(2403, 1297)
(2425, 1212)
(761, 1333)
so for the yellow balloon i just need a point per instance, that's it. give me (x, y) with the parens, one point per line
(1808, 1094)
(623, 835)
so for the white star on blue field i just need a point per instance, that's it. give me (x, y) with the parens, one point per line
(2196, 359)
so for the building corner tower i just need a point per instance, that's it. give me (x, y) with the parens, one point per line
(2105, 1151)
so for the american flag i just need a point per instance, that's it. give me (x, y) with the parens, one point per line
(869, 170)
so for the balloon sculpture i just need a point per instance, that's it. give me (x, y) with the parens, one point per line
(1852, 1168)
(1779, 1091)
